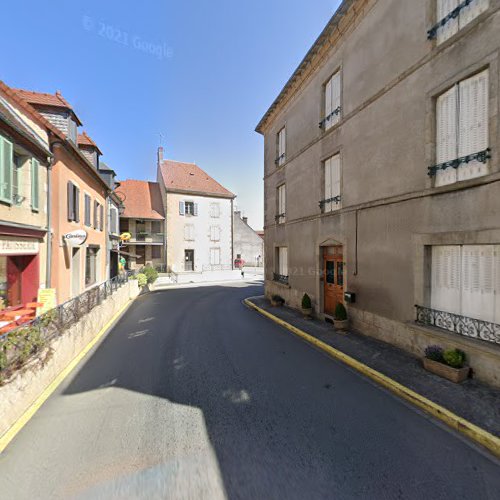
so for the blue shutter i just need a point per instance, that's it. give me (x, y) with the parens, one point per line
(182, 210)
(35, 189)
(6, 165)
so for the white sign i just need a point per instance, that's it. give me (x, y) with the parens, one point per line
(18, 246)
(75, 238)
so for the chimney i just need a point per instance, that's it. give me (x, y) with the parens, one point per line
(160, 154)
(237, 213)
(245, 220)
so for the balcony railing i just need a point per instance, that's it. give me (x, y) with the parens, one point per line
(326, 119)
(481, 156)
(280, 218)
(432, 33)
(335, 199)
(280, 160)
(280, 278)
(461, 325)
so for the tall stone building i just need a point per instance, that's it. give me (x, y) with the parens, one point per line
(382, 175)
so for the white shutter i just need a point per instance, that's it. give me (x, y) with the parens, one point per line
(328, 184)
(6, 168)
(182, 210)
(444, 7)
(335, 97)
(282, 202)
(471, 11)
(328, 103)
(335, 182)
(445, 278)
(446, 135)
(283, 261)
(473, 123)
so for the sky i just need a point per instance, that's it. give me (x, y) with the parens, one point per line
(194, 76)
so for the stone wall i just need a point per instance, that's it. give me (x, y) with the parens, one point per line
(26, 385)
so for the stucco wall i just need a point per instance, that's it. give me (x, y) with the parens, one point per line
(247, 242)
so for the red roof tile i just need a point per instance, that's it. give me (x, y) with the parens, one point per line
(188, 177)
(142, 199)
(85, 140)
(43, 99)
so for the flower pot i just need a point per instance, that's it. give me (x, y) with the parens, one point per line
(307, 313)
(341, 325)
(456, 375)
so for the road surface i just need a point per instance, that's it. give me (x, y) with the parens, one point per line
(192, 395)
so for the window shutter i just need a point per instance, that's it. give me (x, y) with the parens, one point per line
(283, 261)
(444, 7)
(96, 207)
(70, 200)
(471, 11)
(35, 190)
(195, 209)
(6, 166)
(335, 182)
(473, 123)
(77, 204)
(328, 102)
(445, 278)
(446, 135)
(335, 97)
(328, 184)
(181, 208)
(101, 218)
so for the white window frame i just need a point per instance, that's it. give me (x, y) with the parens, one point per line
(281, 147)
(281, 204)
(332, 183)
(332, 101)
(282, 263)
(215, 233)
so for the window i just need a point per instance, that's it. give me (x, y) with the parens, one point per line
(156, 252)
(214, 210)
(35, 184)
(96, 214)
(113, 220)
(156, 227)
(281, 208)
(281, 265)
(214, 233)
(86, 218)
(188, 208)
(91, 265)
(465, 280)
(331, 103)
(73, 199)
(188, 232)
(453, 15)
(6, 166)
(101, 217)
(462, 131)
(332, 197)
(215, 256)
(17, 166)
(281, 146)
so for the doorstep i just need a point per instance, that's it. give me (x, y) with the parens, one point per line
(472, 400)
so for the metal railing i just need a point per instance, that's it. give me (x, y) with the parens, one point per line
(28, 339)
(461, 325)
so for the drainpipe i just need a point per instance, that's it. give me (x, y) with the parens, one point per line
(232, 235)
(48, 267)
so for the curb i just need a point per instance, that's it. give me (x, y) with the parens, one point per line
(14, 429)
(472, 431)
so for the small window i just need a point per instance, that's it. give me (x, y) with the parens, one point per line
(331, 102)
(188, 232)
(73, 201)
(35, 184)
(215, 256)
(91, 265)
(281, 208)
(87, 208)
(156, 252)
(332, 196)
(96, 214)
(214, 233)
(281, 147)
(6, 167)
(281, 265)
(17, 180)
(190, 208)
(214, 210)
(156, 227)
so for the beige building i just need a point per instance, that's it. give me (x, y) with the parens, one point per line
(382, 175)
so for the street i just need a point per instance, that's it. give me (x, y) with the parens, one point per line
(192, 395)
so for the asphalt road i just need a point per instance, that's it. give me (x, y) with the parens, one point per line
(192, 395)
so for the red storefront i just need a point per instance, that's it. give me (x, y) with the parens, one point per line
(19, 264)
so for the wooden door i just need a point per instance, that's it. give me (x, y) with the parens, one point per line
(333, 272)
(188, 260)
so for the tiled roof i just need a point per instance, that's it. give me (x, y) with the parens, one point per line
(188, 177)
(43, 99)
(85, 140)
(142, 199)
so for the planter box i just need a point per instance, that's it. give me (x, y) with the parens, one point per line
(307, 313)
(341, 325)
(456, 375)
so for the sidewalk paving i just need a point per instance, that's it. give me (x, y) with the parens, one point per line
(472, 400)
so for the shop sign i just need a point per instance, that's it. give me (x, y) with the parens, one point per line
(18, 246)
(47, 297)
(75, 238)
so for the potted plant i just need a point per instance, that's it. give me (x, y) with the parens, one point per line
(448, 364)
(340, 320)
(277, 300)
(306, 306)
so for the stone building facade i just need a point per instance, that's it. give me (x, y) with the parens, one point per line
(382, 175)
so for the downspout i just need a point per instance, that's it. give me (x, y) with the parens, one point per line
(232, 235)
(48, 267)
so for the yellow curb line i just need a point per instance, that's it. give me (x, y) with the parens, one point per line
(457, 423)
(10, 434)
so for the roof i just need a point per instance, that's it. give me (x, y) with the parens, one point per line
(188, 177)
(304, 65)
(142, 199)
(85, 140)
(43, 99)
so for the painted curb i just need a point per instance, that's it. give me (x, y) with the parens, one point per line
(472, 431)
(14, 429)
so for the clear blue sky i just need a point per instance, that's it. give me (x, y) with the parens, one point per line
(200, 73)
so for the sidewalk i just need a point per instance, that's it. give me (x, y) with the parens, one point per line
(251, 274)
(472, 400)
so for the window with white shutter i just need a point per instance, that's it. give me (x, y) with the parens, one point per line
(6, 167)
(283, 261)
(281, 143)
(465, 280)
(332, 104)
(214, 210)
(87, 216)
(214, 233)
(35, 184)
(188, 232)
(332, 196)
(462, 131)
(281, 208)
(453, 15)
(215, 256)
